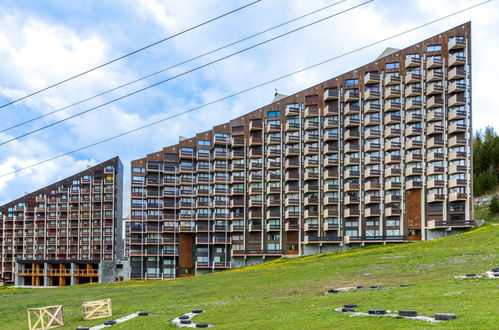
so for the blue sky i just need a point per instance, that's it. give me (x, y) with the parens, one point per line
(42, 42)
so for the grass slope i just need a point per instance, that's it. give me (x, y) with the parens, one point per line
(285, 294)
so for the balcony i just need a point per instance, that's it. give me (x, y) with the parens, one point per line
(292, 139)
(455, 155)
(393, 185)
(457, 128)
(455, 196)
(455, 60)
(413, 130)
(330, 162)
(371, 107)
(457, 100)
(330, 123)
(310, 150)
(351, 212)
(412, 90)
(371, 172)
(351, 134)
(330, 200)
(370, 160)
(392, 132)
(412, 62)
(351, 121)
(307, 201)
(391, 92)
(289, 176)
(291, 214)
(310, 214)
(456, 141)
(273, 140)
(434, 62)
(310, 138)
(411, 104)
(351, 161)
(391, 80)
(330, 188)
(330, 149)
(457, 73)
(392, 198)
(413, 144)
(311, 226)
(453, 183)
(372, 199)
(330, 94)
(330, 109)
(453, 169)
(371, 146)
(432, 170)
(269, 128)
(311, 125)
(371, 120)
(272, 164)
(351, 174)
(372, 133)
(456, 43)
(311, 162)
(329, 226)
(434, 75)
(392, 106)
(255, 125)
(292, 151)
(410, 78)
(255, 214)
(430, 184)
(372, 185)
(392, 119)
(413, 157)
(457, 87)
(330, 173)
(255, 227)
(371, 95)
(435, 129)
(413, 170)
(432, 197)
(311, 176)
(372, 212)
(350, 96)
(371, 78)
(350, 147)
(434, 89)
(290, 126)
(291, 111)
(351, 186)
(291, 163)
(311, 112)
(291, 201)
(351, 109)
(255, 141)
(349, 200)
(413, 184)
(330, 136)
(393, 211)
(412, 117)
(392, 171)
(434, 116)
(434, 102)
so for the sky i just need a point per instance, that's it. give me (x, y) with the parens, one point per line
(43, 42)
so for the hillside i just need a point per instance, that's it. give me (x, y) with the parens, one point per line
(285, 294)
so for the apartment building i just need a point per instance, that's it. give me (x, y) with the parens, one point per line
(66, 233)
(379, 154)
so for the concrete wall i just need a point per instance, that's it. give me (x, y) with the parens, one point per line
(108, 271)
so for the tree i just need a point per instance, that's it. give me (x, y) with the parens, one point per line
(494, 205)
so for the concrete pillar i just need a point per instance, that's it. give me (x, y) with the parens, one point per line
(73, 267)
(45, 277)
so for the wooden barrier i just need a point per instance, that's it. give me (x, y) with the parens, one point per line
(97, 309)
(45, 317)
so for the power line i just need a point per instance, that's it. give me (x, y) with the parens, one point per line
(129, 54)
(180, 74)
(167, 68)
(243, 91)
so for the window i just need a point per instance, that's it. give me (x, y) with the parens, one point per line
(392, 65)
(350, 82)
(273, 113)
(433, 48)
(204, 143)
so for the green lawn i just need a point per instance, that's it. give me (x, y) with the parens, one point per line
(285, 294)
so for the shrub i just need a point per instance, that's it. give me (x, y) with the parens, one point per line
(494, 205)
